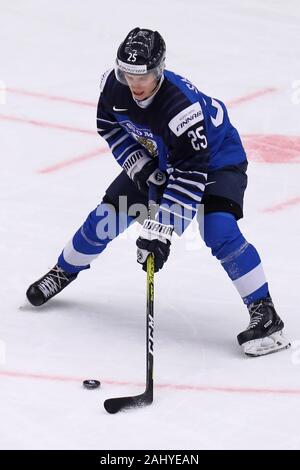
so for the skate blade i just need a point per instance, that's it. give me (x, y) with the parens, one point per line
(262, 346)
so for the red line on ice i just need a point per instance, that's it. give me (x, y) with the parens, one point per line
(251, 96)
(45, 96)
(181, 387)
(51, 125)
(72, 161)
(272, 148)
(40, 123)
(283, 205)
(76, 160)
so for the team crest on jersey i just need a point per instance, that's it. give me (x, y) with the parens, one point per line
(186, 119)
(144, 136)
(149, 145)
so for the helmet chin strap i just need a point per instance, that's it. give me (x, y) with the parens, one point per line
(155, 88)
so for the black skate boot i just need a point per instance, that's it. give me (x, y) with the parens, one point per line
(264, 332)
(49, 285)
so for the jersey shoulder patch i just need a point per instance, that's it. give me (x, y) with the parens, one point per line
(186, 119)
(103, 79)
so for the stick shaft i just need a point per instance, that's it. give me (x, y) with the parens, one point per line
(150, 298)
(150, 322)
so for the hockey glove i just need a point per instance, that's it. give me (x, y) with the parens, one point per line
(143, 170)
(154, 238)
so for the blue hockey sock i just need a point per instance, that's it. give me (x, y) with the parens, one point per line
(101, 226)
(239, 258)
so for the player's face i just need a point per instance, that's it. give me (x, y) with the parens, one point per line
(141, 86)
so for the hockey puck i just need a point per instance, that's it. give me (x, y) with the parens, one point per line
(91, 384)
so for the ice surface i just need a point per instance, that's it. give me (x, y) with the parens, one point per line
(207, 395)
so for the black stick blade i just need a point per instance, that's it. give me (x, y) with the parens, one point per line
(113, 405)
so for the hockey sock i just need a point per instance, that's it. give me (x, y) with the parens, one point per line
(239, 258)
(101, 226)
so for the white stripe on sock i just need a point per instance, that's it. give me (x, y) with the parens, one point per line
(75, 258)
(251, 281)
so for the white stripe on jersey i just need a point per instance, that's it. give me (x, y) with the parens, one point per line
(124, 137)
(105, 120)
(185, 191)
(114, 131)
(201, 186)
(167, 196)
(124, 151)
(176, 214)
(195, 172)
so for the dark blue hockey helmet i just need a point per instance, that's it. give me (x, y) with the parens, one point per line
(142, 51)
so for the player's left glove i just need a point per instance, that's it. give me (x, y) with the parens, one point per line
(154, 238)
(150, 173)
(143, 170)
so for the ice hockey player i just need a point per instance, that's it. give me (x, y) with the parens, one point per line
(162, 129)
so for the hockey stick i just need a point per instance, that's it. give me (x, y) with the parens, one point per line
(113, 405)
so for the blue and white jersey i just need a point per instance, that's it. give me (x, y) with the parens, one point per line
(188, 133)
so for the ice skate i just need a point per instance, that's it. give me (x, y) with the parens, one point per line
(264, 332)
(49, 285)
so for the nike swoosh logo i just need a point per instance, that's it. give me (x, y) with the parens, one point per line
(211, 182)
(119, 109)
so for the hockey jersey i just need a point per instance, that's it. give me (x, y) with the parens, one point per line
(188, 133)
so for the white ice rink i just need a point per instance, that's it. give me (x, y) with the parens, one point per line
(54, 170)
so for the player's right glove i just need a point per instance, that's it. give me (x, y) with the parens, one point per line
(154, 238)
(143, 170)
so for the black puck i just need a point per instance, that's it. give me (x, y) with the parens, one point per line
(91, 384)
